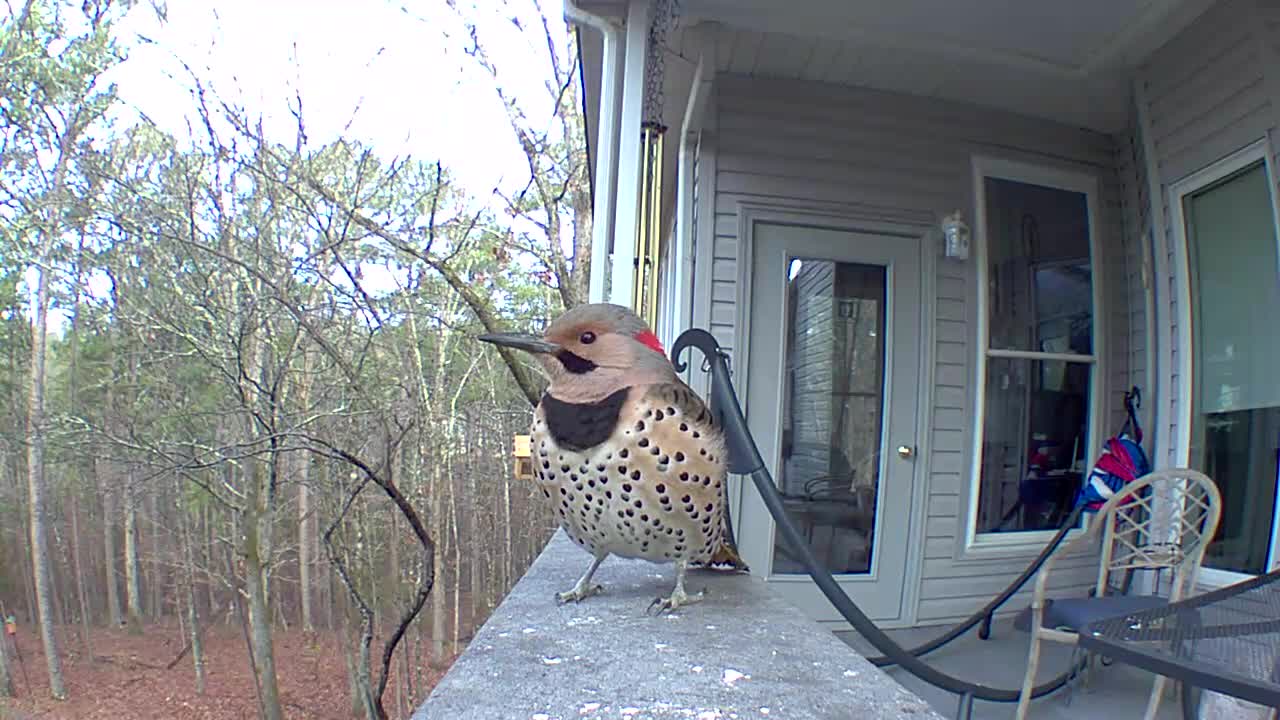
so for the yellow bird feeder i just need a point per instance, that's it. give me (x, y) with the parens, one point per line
(524, 457)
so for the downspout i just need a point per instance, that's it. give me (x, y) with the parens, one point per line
(682, 255)
(606, 160)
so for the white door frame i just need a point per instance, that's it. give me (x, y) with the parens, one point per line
(865, 219)
(1259, 149)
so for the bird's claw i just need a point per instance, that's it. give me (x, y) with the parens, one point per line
(676, 600)
(663, 605)
(578, 594)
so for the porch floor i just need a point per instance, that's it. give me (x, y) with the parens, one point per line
(1113, 692)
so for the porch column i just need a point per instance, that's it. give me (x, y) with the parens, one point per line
(627, 213)
(606, 150)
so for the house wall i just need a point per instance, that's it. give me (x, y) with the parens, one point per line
(793, 143)
(1210, 91)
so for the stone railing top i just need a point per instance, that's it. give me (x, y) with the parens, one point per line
(743, 652)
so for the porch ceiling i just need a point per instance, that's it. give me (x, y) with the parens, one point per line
(1056, 37)
(1067, 62)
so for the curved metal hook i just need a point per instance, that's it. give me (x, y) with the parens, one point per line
(694, 337)
(723, 403)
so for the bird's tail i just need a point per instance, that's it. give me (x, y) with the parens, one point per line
(726, 558)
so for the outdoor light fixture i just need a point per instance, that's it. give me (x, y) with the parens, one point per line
(955, 236)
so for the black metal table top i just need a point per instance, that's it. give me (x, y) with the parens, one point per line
(1226, 640)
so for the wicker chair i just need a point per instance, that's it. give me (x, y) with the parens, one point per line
(1161, 521)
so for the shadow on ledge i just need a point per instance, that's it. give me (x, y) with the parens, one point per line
(743, 652)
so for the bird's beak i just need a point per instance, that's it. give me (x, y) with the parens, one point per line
(520, 341)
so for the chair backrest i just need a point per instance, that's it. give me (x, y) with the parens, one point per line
(1162, 521)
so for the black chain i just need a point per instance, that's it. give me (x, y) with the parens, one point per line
(665, 13)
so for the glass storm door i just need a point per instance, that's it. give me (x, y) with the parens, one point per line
(834, 357)
(1234, 278)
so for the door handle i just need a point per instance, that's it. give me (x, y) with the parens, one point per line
(905, 452)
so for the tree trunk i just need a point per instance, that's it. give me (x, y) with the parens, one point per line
(403, 691)
(437, 596)
(436, 487)
(36, 487)
(330, 623)
(257, 554)
(155, 568)
(361, 695)
(115, 616)
(457, 555)
(306, 521)
(29, 574)
(394, 593)
(189, 579)
(479, 550)
(74, 403)
(237, 599)
(132, 569)
(16, 387)
(80, 589)
(306, 541)
(6, 677)
(210, 548)
(508, 547)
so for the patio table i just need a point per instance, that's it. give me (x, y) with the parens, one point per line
(1226, 640)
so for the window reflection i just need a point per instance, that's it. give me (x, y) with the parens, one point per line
(1040, 294)
(1034, 443)
(1039, 299)
(1235, 429)
(832, 410)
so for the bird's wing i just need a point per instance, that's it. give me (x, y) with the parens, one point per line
(691, 407)
(696, 428)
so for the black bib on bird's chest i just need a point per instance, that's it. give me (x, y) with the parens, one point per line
(580, 426)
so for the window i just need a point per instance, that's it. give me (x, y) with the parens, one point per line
(1233, 288)
(833, 416)
(1038, 368)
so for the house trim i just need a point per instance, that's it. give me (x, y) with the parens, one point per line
(1155, 272)
(686, 245)
(990, 545)
(627, 208)
(852, 217)
(605, 178)
(704, 246)
(1162, 339)
(1248, 155)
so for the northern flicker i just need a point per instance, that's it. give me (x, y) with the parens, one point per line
(630, 456)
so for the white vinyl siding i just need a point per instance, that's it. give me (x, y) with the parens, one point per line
(1207, 94)
(812, 145)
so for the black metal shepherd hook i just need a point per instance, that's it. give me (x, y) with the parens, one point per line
(1132, 402)
(745, 459)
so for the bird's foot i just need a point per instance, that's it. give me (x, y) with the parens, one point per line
(580, 592)
(676, 600)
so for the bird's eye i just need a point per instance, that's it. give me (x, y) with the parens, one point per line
(587, 338)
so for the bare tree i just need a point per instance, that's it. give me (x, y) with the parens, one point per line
(36, 487)
(557, 192)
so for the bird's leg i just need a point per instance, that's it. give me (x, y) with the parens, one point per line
(678, 596)
(584, 589)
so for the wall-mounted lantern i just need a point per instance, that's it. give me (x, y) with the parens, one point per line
(523, 452)
(955, 236)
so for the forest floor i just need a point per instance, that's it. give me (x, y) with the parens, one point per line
(128, 680)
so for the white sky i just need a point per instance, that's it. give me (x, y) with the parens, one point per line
(392, 68)
(390, 73)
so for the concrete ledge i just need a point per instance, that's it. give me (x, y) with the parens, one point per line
(743, 652)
